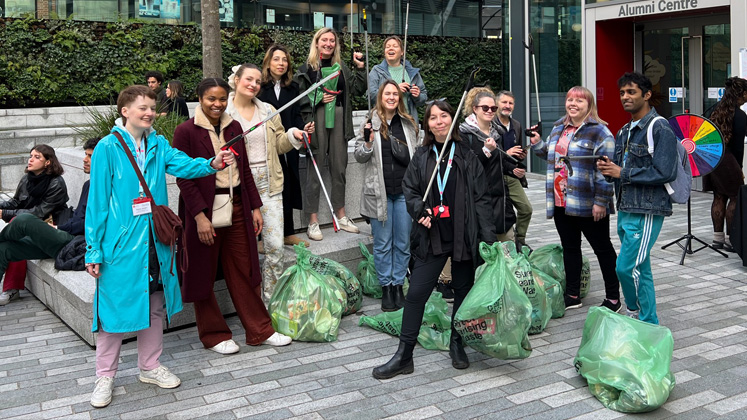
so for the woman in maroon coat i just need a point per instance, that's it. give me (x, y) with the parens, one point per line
(234, 245)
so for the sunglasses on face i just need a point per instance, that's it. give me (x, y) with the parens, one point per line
(486, 108)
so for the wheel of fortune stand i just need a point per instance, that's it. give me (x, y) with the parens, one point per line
(702, 140)
(705, 148)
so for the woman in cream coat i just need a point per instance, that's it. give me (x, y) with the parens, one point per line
(263, 147)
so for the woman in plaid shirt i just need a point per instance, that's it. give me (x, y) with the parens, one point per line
(578, 197)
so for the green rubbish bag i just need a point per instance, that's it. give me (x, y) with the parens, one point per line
(553, 290)
(549, 260)
(625, 361)
(367, 274)
(541, 305)
(435, 330)
(496, 314)
(344, 277)
(306, 305)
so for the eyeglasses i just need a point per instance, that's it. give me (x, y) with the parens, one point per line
(428, 103)
(486, 108)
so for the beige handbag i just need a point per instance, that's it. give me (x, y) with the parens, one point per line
(223, 205)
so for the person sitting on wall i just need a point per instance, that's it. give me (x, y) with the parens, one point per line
(42, 195)
(155, 80)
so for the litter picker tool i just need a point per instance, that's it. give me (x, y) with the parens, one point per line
(404, 52)
(365, 40)
(335, 223)
(229, 144)
(530, 47)
(467, 87)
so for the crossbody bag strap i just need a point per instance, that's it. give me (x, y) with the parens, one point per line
(134, 165)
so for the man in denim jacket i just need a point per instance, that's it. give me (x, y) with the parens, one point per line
(642, 200)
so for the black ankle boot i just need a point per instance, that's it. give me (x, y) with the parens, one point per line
(401, 363)
(456, 350)
(387, 299)
(399, 296)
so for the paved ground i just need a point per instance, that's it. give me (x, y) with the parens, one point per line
(47, 372)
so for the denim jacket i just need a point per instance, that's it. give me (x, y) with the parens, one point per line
(640, 188)
(587, 186)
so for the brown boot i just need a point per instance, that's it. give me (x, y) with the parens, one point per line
(261, 247)
(295, 240)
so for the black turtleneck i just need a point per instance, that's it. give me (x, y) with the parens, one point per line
(445, 226)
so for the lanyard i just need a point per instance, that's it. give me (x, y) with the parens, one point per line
(442, 182)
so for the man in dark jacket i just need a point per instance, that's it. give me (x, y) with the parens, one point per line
(28, 238)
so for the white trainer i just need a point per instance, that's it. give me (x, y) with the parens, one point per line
(102, 393)
(632, 314)
(8, 295)
(160, 376)
(278, 340)
(314, 233)
(226, 347)
(347, 225)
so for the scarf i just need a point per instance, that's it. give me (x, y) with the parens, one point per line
(37, 186)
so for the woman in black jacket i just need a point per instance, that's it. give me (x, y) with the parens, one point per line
(483, 135)
(278, 88)
(42, 191)
(175, 102)
(451, 222)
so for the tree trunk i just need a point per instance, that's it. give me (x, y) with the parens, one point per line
(212, 62)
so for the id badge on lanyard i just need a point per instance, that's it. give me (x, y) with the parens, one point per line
(141, 206)
(442, 210)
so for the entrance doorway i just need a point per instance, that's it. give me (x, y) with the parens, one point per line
(693, 53)
(689, 53)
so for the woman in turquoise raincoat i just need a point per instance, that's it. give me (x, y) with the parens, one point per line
(135, 273)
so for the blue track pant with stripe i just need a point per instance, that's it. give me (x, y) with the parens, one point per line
(638, 233)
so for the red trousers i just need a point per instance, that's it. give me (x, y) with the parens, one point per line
(15, 276)
(232, 248)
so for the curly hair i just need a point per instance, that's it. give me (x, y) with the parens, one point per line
(723, 114)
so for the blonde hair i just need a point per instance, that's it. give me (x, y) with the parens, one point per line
(314, 59)
(582, 92)
(400, 107)
(471, 99)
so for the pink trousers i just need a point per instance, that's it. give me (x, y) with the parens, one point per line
(149, 343)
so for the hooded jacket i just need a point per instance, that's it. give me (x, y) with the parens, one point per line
(495, 167)
(478, 218)
(118, 240)
(380, 73)
(373, 195)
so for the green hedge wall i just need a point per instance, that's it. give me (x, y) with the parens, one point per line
(66, 62)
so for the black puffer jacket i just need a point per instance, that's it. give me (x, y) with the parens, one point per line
(72, 257)
(495, 167)
(54, 201)
(478, 218)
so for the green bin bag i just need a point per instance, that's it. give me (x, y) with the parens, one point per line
(306, 305)
(496, 314)
(435, 330)
(553, 290)
(541, 305)
(344, 277)
(549, 260)
(367, 274)
(625, 361)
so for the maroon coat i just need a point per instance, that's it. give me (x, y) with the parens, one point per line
(198, 194)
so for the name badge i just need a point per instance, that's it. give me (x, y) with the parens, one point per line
(441, 211)
(141, 206)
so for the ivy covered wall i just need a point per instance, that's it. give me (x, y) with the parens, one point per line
(65, 62)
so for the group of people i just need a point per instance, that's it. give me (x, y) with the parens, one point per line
(231, 196)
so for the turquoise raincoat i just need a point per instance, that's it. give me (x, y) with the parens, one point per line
(118, 240)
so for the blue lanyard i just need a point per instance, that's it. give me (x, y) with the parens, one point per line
(442, 182)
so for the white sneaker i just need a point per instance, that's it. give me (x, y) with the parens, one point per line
(160, 376)
(278, 340)
(102, 393)
(632, 314)
(314, 233)
(8, 295)
(226, 347)
(347, 225)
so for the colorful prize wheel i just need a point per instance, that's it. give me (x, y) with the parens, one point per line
(701, 139)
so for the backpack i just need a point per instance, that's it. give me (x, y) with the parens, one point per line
(679, 189)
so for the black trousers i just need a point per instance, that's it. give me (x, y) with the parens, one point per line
(422, 281)
(570, 229)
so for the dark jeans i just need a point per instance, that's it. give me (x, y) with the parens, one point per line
(570, 229)
(28, 237)
(422, 281)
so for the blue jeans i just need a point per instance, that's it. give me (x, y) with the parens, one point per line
(391, 242)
